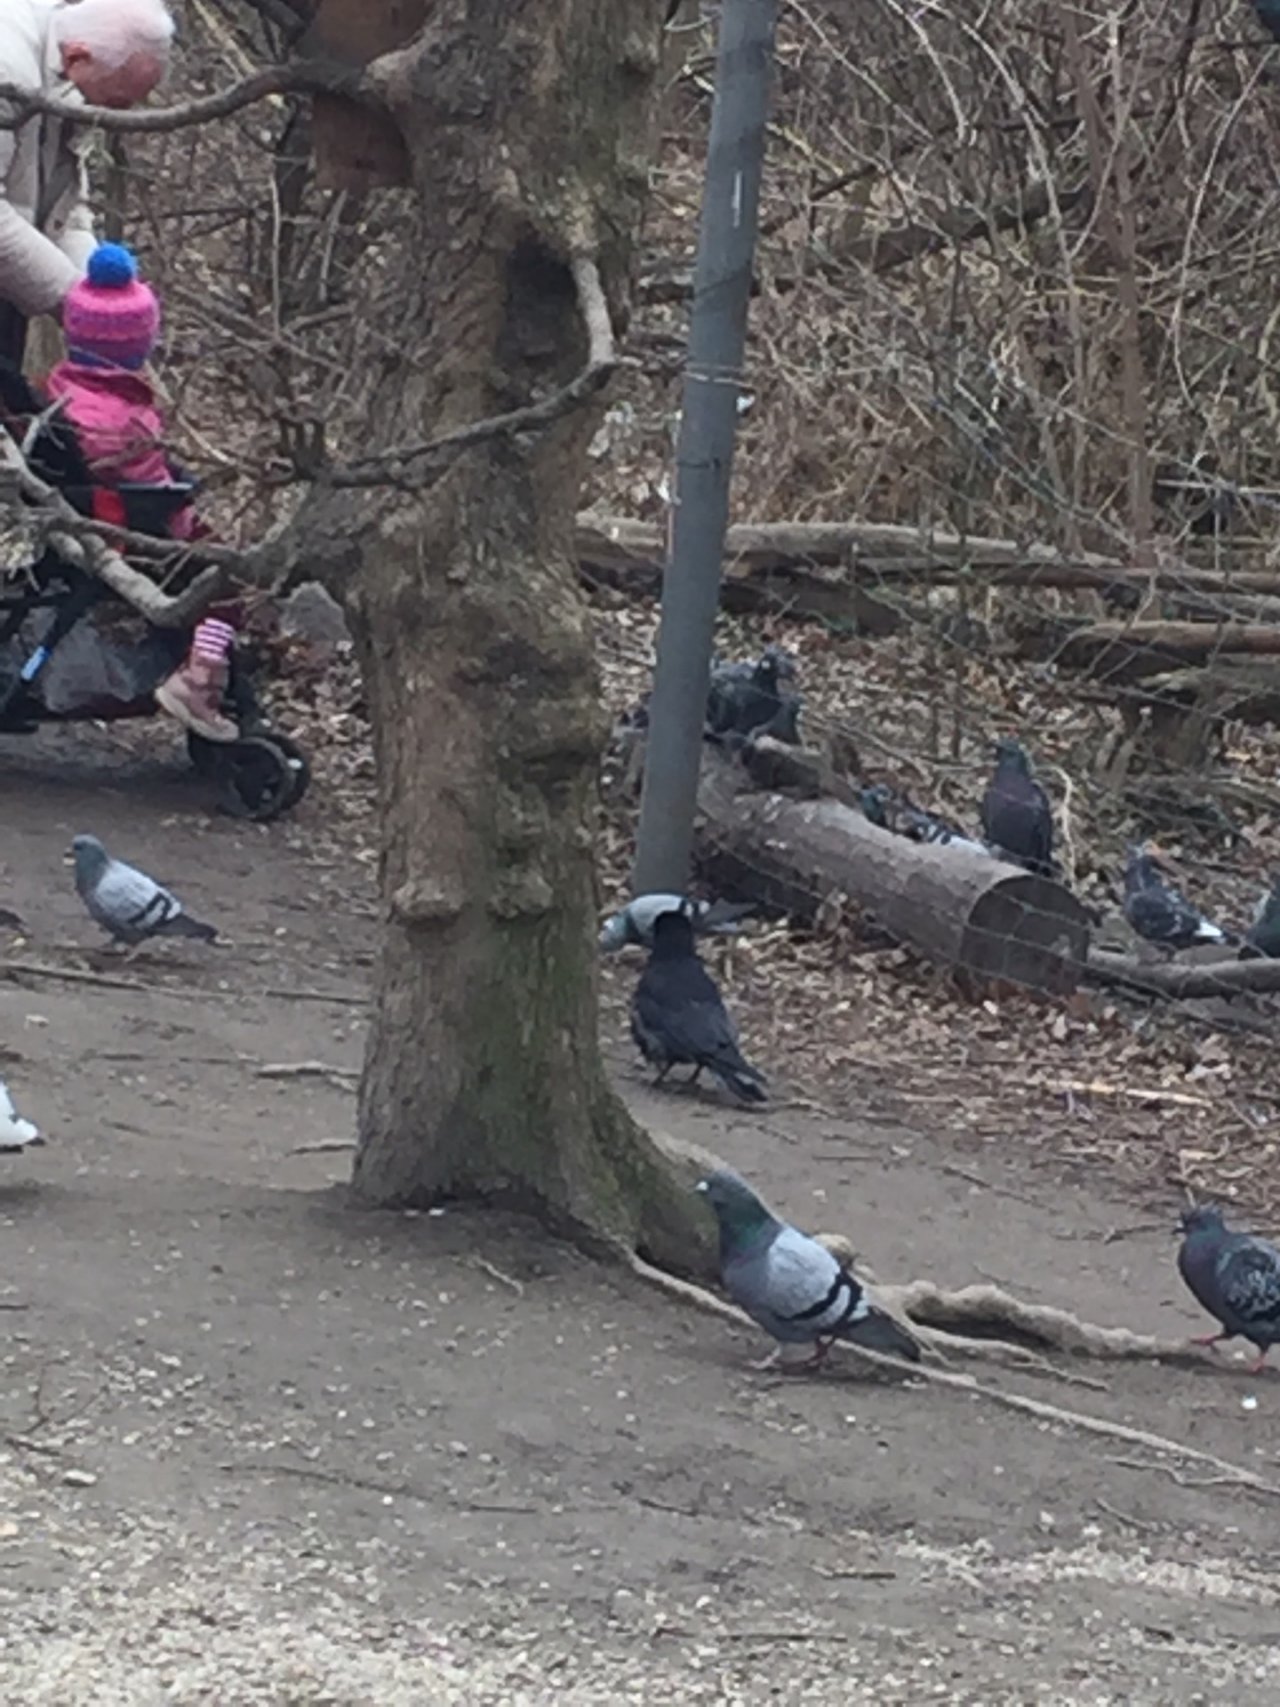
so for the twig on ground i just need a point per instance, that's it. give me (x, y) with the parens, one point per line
(495, 1273)
(305, 1070)
(16, 969)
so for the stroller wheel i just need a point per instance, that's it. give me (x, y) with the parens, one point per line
(299, 769)
(203, 754)
(259, 777)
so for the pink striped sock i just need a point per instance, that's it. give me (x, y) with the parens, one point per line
(212, 638)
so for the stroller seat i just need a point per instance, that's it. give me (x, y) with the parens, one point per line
(259, 776)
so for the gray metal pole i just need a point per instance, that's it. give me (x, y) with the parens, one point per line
(704, 453)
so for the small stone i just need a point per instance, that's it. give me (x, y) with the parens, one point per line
(79, 1478)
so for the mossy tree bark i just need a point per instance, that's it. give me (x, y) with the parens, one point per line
(528, 125)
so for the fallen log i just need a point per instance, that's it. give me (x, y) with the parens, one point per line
(885, 552)
(628, 556)
(962, 909)
(1177, 981)
(1123, 648)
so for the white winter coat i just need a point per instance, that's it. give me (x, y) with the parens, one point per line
(46, 229)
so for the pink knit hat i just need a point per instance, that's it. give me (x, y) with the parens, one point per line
(110, 317)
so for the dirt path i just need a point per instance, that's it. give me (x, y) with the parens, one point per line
(265, 1447)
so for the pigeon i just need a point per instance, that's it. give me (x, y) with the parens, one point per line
(1263, 935)
(878, 803)
(748, 698)
(789, 1283)
(632, 926)
(921, 826)
(1235, 1276)
(16, 1134)
(1157, 911)
(129, 905)
(1016, 815)
(677, 1016)
(1268, 15)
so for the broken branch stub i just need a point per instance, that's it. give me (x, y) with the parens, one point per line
(958, 907)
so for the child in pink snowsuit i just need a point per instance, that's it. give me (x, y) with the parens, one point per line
(111, 321)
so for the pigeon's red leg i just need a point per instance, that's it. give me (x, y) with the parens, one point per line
(820, 1350)
(1260, 1365)
(1209, 1339)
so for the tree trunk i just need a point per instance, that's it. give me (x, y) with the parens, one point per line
(527, 127)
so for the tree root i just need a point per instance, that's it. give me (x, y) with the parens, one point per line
(1079, 1337)
(995, 1317)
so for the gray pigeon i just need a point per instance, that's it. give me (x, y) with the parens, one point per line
(129, 905)
(678, 1017)
(16, 1134)
(1158, 912)
(789, 1283)
(1016, 815)
(921, 826)
(1235, 1276)
(1263, 936)
(633, 925)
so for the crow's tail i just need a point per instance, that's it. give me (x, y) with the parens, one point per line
(741, 1078)
(879, 1332)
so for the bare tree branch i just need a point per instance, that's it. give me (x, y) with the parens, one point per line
(432, 456)
(307, 77)
(80, 542)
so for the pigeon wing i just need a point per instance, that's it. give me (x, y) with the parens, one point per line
(126, 899)
(1160, 915)
(1249, 1279)
(802, 1291)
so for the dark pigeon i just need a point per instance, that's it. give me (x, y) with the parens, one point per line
(678, 1018)
(790, 1284)
(1235, 1276)
(129, 905)
(749, 699)
(1263, 935)
(1017, 820)
(632, 925)
(879, 804)
(1158, 912)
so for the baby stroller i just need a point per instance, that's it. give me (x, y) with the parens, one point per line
(61, 662)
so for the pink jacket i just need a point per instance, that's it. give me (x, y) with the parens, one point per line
(119, 426)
